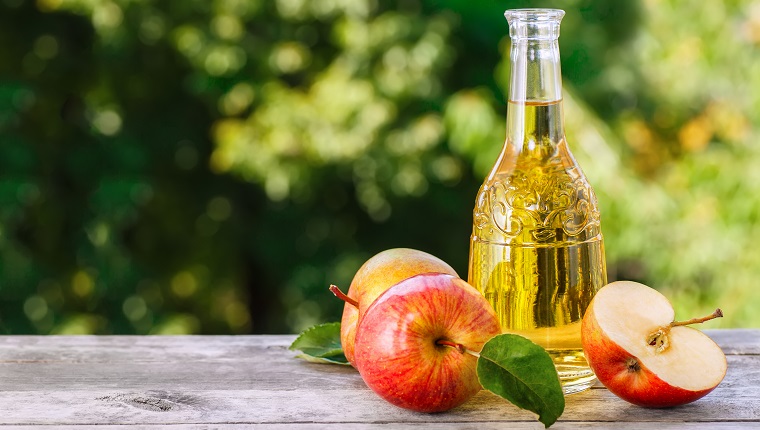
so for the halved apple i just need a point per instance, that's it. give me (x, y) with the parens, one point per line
(640, 354)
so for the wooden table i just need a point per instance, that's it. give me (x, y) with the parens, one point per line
(237, 381)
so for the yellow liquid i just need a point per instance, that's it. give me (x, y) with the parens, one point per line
(537, 253)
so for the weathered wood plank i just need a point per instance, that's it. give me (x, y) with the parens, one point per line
(163, 348)
(344, 406)
(170, 348)
(737, 341)
(152, 397)
(738, 425)
(193, 363)
(243, 380)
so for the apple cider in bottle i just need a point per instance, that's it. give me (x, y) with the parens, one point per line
(536, 250)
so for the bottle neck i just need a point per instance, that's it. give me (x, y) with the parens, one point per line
(534, 112)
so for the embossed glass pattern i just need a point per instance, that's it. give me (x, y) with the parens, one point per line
(536, 250)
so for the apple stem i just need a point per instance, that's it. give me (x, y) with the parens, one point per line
(717, 314)
(660, 339)
(339, 294)
(458, 346)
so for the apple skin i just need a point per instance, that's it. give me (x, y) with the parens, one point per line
(374, 277)
(396, 350)
(625, 374)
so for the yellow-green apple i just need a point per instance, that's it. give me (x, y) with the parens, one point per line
(374, 277)
(414, 343)
(641, 354)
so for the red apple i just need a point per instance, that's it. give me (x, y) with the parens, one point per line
(411, 342)
(640, 354)
(374, 277)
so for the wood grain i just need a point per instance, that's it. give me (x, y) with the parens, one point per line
(232, 381)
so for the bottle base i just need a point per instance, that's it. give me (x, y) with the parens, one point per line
(575, 375)
(575, 381)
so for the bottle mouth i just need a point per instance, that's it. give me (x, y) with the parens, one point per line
(534, 14)
(536, 24)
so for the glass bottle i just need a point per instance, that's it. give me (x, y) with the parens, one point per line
(536, 250)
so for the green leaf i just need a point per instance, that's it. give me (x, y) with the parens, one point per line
(522, 372)
(320, 344)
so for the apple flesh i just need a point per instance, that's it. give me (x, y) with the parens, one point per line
(640, 354)
(374, 277)
(412, 343)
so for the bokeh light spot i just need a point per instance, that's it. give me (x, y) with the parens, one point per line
(152, 29)
(46, 47)
(277, 185)
(99, 234)
(219, 208)
(107, 15)
(48, 5)
(237, 316)
(82, 284)
(237, 99)
(222, 60)
(178, 324)
(291, 9)
(80, 324)
(107, 122)
(289, 57)
(227, 27)
(189, 40)
(35, 308)
(184, 284)
(134, 308)
(447, 169)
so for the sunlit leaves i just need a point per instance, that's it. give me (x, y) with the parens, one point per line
(353, 109)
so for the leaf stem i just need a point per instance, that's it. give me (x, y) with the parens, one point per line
(341, 295)
(717, 314)
(458, 346)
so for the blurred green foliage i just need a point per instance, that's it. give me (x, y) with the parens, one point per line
(212, 166)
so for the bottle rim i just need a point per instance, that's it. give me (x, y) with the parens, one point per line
(534, 14)
(534, 24)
